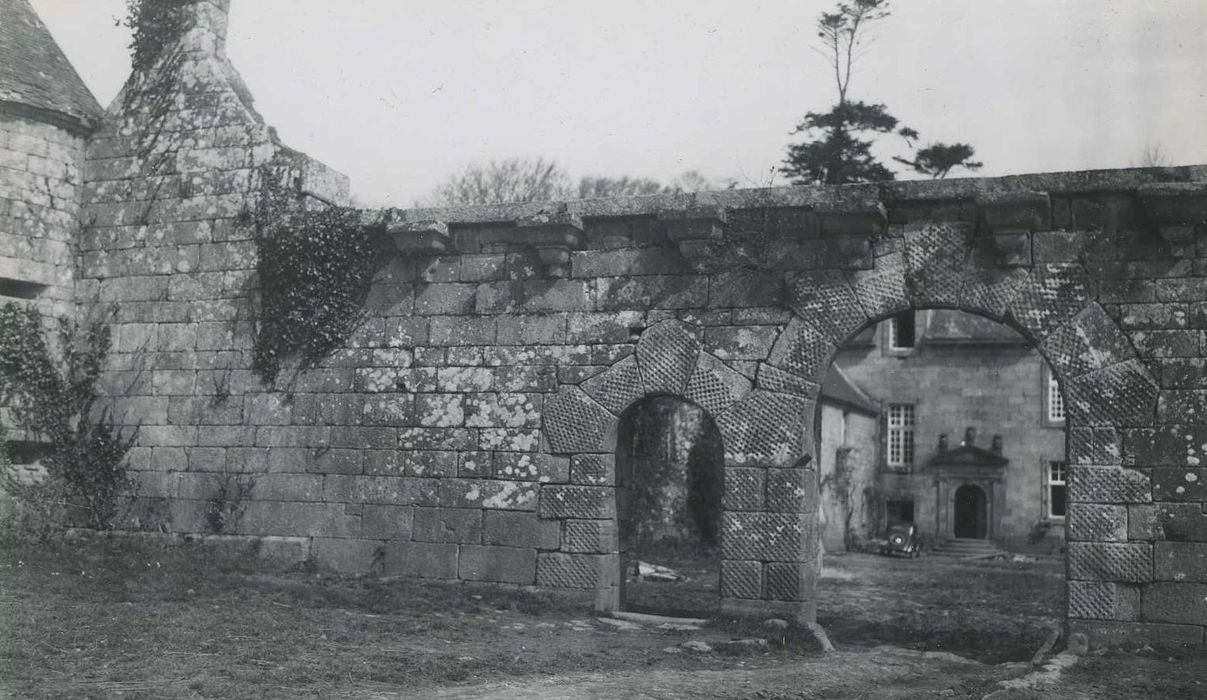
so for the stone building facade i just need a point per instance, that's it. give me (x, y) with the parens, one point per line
(468, 430)
(957, 371)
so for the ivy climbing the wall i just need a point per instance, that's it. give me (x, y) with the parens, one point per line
(52, 396)
(153, 24)
(315, 270)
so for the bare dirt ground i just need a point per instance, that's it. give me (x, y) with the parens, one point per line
(117, 619)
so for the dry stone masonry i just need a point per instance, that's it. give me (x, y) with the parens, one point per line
(468, 429)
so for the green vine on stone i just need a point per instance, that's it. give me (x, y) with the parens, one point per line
(315, 269)
(153, 25)
(86, 471)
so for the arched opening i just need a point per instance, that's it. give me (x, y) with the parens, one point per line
(971, 516)
(669, 478)
(949, 426)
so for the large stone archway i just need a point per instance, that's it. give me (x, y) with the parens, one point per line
(770, 533)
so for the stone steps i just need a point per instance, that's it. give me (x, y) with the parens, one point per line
(966, 548)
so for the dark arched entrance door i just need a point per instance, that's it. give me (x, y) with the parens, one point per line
(971, 516)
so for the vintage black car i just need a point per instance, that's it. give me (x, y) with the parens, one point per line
(902, 538)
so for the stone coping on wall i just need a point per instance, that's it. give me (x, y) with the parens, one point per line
(1189, 180)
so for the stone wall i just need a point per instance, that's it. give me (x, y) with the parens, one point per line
(468, 429)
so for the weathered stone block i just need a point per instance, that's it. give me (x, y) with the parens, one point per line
(767, 536)
(744, 489)
(420, 560)
(787, 581)
(1124, 563)
(881, 291)
(558, 570)
(1122, 395)
(802, 350)
(715, 387)
(297, 519)
(1186, 484)
(1183, 603)
(825, 300)
(740, 342)
(519, 529)
(1090, 341)
(386, 522)
(792, 490)
(593, 469)
(667, 354)
(765, 428)
(653, 291)
(444, 299)
(576, 423)
(590, 536)
(1094, 446)
(617, 387)
(497, 564)
(351, 556)
(440, 410)
(1054, 293)
(577, 502)
(1097, 600)
(1181, 561)
(488, 493)
(742, 579)
(934, 258)
(1105, 635)
(1096, 523)
(532, 466)
(460, 525)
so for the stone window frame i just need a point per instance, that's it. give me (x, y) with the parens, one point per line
(1055, 414)
(891, 333)
(907, 430)
(1051, 483)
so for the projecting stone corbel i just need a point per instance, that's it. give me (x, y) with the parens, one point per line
(420, 237)
(553, 235)
(694, 231)
(1007, 213)
(1175, 209)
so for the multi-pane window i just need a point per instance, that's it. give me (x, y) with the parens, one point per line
(1056, 484)
(900, 434)
(902, 331)
(1055, 400)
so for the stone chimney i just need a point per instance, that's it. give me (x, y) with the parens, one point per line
(969, 436)
(997, 444)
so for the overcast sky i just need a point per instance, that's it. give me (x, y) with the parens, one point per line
(399, 94)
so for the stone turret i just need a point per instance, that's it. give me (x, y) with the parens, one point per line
(46, 112)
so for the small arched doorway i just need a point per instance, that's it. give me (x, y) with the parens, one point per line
(971, 513)
(669, 471)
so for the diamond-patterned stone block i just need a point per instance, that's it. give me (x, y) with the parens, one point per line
(1097, 446)
(1108, 485)
(667, 354)
(1124, 394)
(742, 579)
(785, 581)
(590, 536)
(1093, 522)
(1100, 600)
(934, 261)
(825, 300)
(1054, 293)
(1091, 341)
(792, 490)
(989, 287)
(766, 536)
(773, 378)
(578, 502)
(1097, 561)
(802, 349)
(714, 386)
(574, 422)
(617, 387)
(558, 570)
(744, 489)
(593, 470)
(766, 429)
(881, 290)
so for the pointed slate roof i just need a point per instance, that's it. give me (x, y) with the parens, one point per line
(35, 74)
(839, 388)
